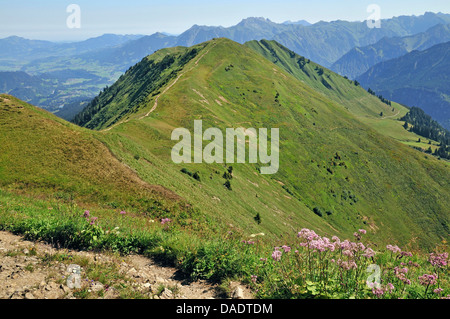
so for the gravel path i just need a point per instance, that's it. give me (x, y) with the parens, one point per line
(31, 270)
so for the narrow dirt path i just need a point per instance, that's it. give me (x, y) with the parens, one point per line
(386, 117)
(31, 270)
(155, 105)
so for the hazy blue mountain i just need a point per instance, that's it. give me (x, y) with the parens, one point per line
(301, 22)
(322, 42)
(358, 60)
(24, 86)
(16, 51)
(104, 59)
(419, 78)
(326, 42)
(17, 47)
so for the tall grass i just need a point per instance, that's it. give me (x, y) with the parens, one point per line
(307, 266)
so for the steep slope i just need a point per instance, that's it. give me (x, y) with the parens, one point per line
(124, 97)
(336, 174)
(358, 60)
(368, 108)
(341, 90)
(44, 155)
(419, 78)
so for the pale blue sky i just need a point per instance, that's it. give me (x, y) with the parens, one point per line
(46, 19)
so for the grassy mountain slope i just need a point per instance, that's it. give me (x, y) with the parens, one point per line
(419, 78)
(336, 174)
(358, 60)
(343, 91)
(44, 155)
(131, 89)
(366, 107)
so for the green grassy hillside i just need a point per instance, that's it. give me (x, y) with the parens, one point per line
(367, 108)
(336, 174)
(49, 157)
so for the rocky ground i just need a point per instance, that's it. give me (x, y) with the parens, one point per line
(31, 270)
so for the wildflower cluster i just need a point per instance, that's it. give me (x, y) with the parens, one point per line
(335, 268)
(91, 220)
(165, 221)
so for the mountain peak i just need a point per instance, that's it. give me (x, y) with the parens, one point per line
(254, 20)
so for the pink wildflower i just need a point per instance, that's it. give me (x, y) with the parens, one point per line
(165, 220)
(427, 280)
(438, 260)
(347, 253)
(276, 255)
(307, 234)
(390, 287)
(406, 254)
(286, 248)
(394, 249)
(438, 291)
(368, 253)
(93, 220)
(378, 292)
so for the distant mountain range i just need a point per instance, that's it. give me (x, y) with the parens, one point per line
(14, 47)
(322, 42)
(358, 60)
(96, 63)
(419, 78)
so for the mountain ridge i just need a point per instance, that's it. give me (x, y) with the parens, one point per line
(230, 85)
(358, 60)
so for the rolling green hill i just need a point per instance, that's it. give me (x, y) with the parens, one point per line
(44, 155)
(366, 107)
(336, 172)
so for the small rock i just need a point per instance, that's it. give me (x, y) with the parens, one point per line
(52, 286)
(97, 286)
(16, 295)
(132, 271)
(26, 251)
(29, 295)
(146, 285)
(65, 288)
(166, 294)
(237, 293)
